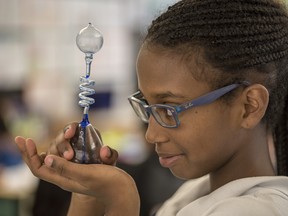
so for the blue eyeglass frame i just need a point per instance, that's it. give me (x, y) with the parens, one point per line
(175, 110)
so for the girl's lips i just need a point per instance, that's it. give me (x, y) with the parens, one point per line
(169, 161)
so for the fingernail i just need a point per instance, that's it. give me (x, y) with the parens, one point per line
(48, 161)
(110, 152)
(66, 154)
(66, 128)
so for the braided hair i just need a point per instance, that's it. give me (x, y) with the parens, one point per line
(242, 39)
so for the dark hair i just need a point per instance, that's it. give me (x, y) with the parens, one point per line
(241, 39)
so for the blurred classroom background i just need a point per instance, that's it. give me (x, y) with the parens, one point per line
(40, 66)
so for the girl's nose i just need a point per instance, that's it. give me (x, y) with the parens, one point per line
(154, 132)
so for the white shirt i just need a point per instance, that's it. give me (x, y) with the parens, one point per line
(255, 196)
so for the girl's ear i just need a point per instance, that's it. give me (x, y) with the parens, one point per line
(255, 102)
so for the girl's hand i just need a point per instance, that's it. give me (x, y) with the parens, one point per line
(111, 186)
(61, 146)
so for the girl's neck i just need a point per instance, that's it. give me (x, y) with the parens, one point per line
(252, 160)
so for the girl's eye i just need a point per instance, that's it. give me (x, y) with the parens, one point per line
(169, 112)
(164, 112)
(144, 100)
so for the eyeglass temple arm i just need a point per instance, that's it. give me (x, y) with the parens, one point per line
(210, 97)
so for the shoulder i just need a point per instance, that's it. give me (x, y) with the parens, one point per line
(258, 196)
(187, 193)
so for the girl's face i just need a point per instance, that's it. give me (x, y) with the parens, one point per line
(208, 137)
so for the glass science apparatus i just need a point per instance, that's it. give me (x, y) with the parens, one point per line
(86, 142)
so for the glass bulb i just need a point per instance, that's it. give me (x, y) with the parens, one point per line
(86, 143)
(89, 40)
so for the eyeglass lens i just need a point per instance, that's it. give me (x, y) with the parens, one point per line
(140, 111)
(164, 115)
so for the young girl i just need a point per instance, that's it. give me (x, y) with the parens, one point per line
(212, 78)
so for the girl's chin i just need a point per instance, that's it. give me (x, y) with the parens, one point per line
(184, 175)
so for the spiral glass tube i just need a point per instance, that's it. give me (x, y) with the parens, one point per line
(86, 141)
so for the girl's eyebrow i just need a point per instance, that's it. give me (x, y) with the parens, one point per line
(164, 95)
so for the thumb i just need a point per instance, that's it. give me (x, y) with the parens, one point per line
(58, 164)
(63, 173)
(66, 169)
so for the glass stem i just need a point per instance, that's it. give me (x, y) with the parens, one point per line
(86, 109)
(88, 59)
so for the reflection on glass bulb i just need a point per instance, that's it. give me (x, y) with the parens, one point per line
(86, 143)
(89, 40)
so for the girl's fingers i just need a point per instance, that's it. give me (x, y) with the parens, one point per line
(29, 154)
(79, 178)
(108, 155)
(42, 156)
(28, 150)
(33, 156)
(61, 145)
(99, 180)
(66, 169)
(21, 144)
(64, 149)
(20, 141)
(61, 148)
(81, 172)
(69, 130)
(60, 172)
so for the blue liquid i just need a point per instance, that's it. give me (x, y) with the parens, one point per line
(86, 143)
(84, 123)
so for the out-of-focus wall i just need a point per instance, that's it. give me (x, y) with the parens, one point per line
(38, 53)
(40, 66)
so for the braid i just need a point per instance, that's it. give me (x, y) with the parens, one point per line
(280, 135)
(241, 38)
(252, 28)
(279, 102)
